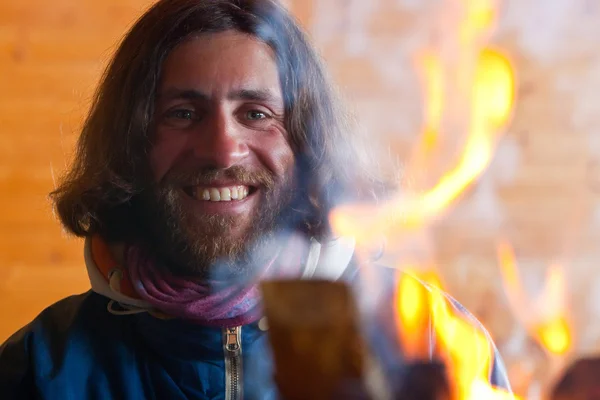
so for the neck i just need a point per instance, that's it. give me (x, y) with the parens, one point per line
(217, 301)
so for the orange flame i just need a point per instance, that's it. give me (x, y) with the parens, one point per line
(434, 83)
(555, 335)
(424, 310)
(465, 349)
(492, 104)
(545, 318)
(492, 99)
(413, 305)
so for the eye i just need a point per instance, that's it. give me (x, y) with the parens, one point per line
(181, 114)
(254, 115)
(179, 117)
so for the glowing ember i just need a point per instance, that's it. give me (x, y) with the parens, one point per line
(545, 319)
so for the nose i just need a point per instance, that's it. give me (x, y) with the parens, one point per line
(220, 142)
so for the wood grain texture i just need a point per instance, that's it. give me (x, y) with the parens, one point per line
(51, 57)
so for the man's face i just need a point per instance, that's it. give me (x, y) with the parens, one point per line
(222, 164)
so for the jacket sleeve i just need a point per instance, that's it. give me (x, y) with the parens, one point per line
(387, 345)
(16, 377)
(498, 373)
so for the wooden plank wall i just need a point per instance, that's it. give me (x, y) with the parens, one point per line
(541, 192)
(51, 57)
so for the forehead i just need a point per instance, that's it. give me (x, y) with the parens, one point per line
(216, 63)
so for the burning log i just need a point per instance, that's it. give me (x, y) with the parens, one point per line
(579, 382)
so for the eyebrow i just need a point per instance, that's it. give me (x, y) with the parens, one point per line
(241, 94)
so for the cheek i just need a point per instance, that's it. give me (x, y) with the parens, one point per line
(165, 152)
(278, 156)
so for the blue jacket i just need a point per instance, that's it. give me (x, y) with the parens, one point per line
(78, 349)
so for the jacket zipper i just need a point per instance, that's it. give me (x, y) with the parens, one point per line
(232, 339)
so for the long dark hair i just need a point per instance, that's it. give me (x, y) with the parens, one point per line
(110, 165)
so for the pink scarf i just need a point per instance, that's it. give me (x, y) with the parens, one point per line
(210, 303)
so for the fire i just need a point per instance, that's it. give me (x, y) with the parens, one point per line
(492, 103)
(464, 348)
(545, 319)
(433, 80)
(483, 79)
(413, 304)
(555, 335)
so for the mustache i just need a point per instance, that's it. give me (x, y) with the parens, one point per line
(205, 176)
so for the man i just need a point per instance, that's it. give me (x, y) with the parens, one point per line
(210, 159)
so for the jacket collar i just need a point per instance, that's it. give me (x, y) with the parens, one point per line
(328, 260)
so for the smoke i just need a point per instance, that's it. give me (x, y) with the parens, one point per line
(531, 187)
(544, 170)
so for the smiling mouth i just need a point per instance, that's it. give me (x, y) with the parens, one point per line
(224, 193)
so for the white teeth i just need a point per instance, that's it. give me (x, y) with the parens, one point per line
(221, 194)
(225, 194)
(215, 195)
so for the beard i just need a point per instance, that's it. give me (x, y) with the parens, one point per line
(197, 245)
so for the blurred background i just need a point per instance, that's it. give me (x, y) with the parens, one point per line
(540, 195)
